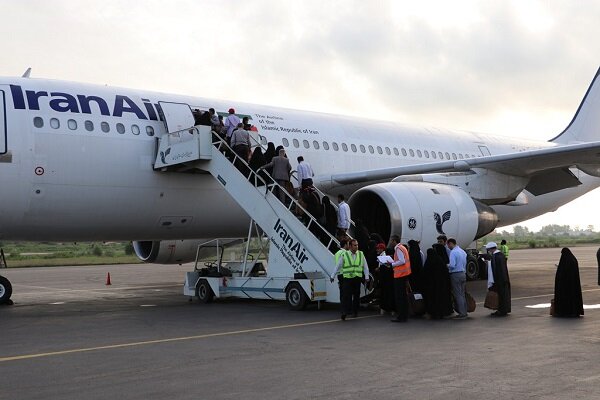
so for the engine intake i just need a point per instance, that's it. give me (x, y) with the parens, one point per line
(422, 211)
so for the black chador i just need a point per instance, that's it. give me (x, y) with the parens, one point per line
(568, 301)
(416, 266)
(436, 285)
(501, 282)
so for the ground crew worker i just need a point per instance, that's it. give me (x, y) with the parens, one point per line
(344, 246)
(353, 266)
(504, 249)
(401, 266)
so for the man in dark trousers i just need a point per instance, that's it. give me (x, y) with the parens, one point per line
(501, 280)
(401, 267)
(354, 267)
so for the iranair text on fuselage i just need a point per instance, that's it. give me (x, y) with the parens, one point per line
(117, 106)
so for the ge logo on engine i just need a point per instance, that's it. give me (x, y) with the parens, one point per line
(412, 223)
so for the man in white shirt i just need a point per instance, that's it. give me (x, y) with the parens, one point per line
(305, 172)
(231, 123)
(458, 277)
(343, 223)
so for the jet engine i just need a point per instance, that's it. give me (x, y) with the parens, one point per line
(178, 251)
(422, 211)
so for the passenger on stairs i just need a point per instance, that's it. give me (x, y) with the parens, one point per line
(215, 122)
(231, 123)
(257, 160)
(240, 143)
(281, 172)
(329, 218)
(343, 223)
(305, 172)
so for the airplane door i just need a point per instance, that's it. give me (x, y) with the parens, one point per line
(484, 150)
(177, 116)
(3, 143)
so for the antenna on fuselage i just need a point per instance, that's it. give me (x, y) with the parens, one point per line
(27, 73)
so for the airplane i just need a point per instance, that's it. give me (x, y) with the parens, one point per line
(76, 164)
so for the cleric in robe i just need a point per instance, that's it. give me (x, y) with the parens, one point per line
(436, 284)
(568, 301)
(501, 280)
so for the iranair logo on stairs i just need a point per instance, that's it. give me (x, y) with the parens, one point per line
(291, 249)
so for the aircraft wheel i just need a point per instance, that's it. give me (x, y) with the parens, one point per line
(472, 268)
(5, 290)
(204, 293)
(295, 297)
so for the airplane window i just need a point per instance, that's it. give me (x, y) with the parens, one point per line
(316, 144)
(335, 146)
(396, 152)
(440, 155)
(54, 123)
(419, 154)
(105, 127)
(362, 148)
(296, 143)
(135, 129)
(404, 152)
(120, 128)
(89, 125)
(411, 152)
(286, 142)
(38, 122)
(149, 131)
(344, 147)
(379, 150)
(433, 155)
(426, 153)
(305, 143)
(72, 124)
(454, 156)
(388, 151)
(326, 145)
(263, 140)
(447, 156)
(353, 147)
(371, 150)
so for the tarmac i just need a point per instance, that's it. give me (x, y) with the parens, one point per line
(69, 336)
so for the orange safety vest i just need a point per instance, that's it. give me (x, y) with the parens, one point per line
(402, 270)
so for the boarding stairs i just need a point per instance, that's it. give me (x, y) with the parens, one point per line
(295, 252)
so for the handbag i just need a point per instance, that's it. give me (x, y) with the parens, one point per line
(416, 304)
(471, 304)
(491, 300)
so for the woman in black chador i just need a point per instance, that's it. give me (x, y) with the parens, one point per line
(568, 301)
(416, 266)
(436, 284)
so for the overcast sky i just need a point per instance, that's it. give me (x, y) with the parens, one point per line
(515, 68)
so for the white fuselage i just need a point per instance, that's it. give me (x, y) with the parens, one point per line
(79, 163)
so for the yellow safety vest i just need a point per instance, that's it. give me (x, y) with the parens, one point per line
(353, 269)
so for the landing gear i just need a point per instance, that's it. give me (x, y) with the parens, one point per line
(472, 268)
(5, 291)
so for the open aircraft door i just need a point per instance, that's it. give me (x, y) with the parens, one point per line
(3, 141)
(177, 116)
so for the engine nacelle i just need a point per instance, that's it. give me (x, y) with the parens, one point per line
(422, 211)
(177, 251)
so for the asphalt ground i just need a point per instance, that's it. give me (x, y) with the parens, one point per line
(69, 336)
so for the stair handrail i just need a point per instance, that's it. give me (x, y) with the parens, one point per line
(221, 143)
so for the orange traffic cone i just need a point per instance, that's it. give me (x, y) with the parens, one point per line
(108, 279)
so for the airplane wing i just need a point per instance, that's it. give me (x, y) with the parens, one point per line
(548, 168)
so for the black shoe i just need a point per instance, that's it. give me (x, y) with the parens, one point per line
(398, 320)
(343, 317)
(355, 315)
(497, 314)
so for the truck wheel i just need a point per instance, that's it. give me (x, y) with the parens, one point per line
(295, 297)
(5, 290)
(472, 268)
(204, 293)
